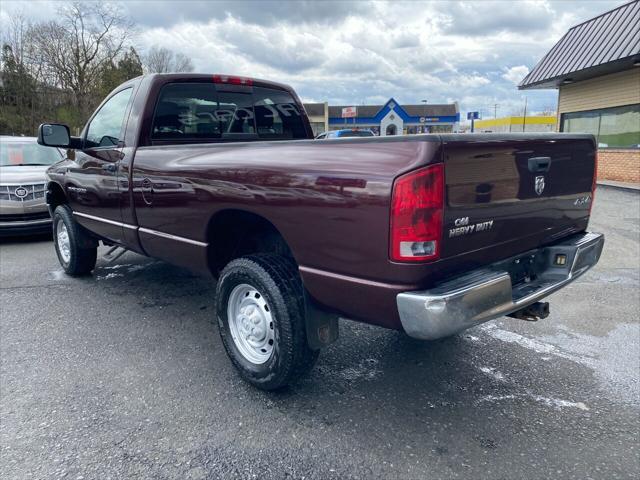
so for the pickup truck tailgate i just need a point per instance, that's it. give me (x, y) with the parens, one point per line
(531, 189)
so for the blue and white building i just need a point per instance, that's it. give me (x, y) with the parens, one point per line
(391, 118)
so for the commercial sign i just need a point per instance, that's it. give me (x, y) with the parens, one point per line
(349, 112)
(473, 115)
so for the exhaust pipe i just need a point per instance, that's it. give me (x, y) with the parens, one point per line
(533, 312)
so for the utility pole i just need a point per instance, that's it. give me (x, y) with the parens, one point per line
(424, 128)
(524, 117)
(495, 110)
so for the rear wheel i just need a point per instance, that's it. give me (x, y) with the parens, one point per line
(260, 311)
(76, 251)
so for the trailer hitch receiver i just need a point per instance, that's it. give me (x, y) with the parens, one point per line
(533, 312)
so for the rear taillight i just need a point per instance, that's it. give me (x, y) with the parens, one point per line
(593, 184)
(416, 215)
(232, 80)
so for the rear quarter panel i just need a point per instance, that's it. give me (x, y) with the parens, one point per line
(329, 200)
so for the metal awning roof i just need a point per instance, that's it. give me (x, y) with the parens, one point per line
(605, 44)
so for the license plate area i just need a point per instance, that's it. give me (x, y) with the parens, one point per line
(526, 268)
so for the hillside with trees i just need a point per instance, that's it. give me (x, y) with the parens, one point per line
(60, 70)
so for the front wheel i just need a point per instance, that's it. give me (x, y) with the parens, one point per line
(76, 252)
(260, 311)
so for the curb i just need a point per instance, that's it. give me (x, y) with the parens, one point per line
(629, 187)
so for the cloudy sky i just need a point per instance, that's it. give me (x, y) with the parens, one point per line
(473, 52)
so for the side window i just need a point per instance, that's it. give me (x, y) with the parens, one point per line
(105, 127)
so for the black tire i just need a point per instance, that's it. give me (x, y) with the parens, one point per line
(276, 277)
(83, 249)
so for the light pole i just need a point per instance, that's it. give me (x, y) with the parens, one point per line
(425, 115)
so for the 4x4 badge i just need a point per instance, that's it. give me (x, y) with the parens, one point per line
(539, 185)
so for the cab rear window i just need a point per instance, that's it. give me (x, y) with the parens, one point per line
(192, 112)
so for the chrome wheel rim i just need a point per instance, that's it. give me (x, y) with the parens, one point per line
(251, 323)
(64, 245)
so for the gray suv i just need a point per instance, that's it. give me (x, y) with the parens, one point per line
(23, 164)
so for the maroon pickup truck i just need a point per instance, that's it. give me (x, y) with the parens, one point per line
(430, 234)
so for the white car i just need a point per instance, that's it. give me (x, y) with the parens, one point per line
(23, 163)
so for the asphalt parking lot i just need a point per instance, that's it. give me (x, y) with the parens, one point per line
(123, 375)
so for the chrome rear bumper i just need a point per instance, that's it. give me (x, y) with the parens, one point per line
(488, 293)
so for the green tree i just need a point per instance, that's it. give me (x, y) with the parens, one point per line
(18, 95)
(116, 72)
(130, 65)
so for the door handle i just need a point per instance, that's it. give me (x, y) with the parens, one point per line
(539, 164)
(110, 167)
(147, 191)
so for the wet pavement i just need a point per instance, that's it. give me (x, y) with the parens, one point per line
(123, 375)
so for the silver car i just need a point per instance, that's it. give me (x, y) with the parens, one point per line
(23, 164)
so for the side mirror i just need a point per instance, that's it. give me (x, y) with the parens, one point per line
(54, 135)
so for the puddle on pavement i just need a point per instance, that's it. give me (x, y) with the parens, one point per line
(613, 358)
(115, 271)
(557, 403)
(57, 275)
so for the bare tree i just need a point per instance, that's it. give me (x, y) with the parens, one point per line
(157, 60)
(182, 63)
(77, 47)
(15, 36)
(548, 110)
(163, 60)
(19, 89)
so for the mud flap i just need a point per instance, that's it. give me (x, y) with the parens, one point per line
(321, 325)
(114, 253)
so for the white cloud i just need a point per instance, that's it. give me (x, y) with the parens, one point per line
(342, 52)
(515, 74)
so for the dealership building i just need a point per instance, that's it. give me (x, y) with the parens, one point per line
(390, 118)
(596, 68)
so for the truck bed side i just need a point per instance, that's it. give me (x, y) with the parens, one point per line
(330, 201)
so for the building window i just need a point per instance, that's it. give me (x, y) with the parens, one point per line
(617, 127)
(440, 129)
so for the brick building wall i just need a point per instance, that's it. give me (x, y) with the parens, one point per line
(622, 165)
